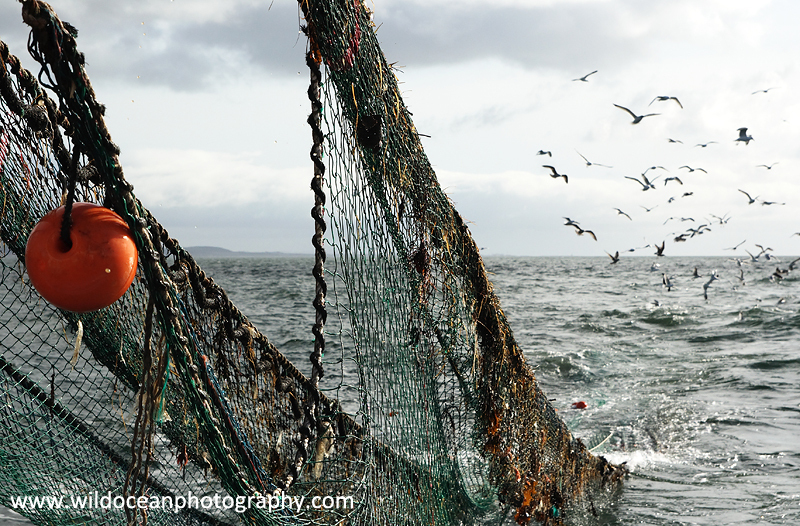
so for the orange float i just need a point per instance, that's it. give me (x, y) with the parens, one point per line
(92, 274)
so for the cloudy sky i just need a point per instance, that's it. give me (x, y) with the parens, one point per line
(207, 101)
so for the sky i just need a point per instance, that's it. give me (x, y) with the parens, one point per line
(207, 101)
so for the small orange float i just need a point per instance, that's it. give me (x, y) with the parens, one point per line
(93, 273)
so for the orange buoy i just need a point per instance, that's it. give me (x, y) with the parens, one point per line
(93, 273)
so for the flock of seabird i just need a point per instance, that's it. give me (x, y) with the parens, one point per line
(647, 183)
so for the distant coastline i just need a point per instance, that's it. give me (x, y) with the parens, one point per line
(219, 252)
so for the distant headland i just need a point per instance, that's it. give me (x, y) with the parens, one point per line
(219, 252)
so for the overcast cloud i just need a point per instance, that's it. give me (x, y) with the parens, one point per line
(207, 101)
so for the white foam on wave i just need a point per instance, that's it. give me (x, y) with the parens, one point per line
(640, 458)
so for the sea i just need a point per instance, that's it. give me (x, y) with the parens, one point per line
(693, 384)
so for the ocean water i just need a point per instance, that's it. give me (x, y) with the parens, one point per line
(699, 397)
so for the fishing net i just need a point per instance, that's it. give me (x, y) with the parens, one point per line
(416, 407)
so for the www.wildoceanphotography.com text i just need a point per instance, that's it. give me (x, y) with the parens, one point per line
(239, 504)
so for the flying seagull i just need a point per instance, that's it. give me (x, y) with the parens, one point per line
(665, 98)
(768, 167)
(762, 91)
(580, 231)
(646, 185)
(621, 213)
(636, 118)
(584, 78)
(752, 199)
(614, 258)
(708, 283)
(668, 179)
(637, 248)
(743, 137)
(753, 258)
(590, 163)
(693, 169)
(648, 209)
(705, 144)
(544, 152)
(674, 140)
(555, 174)
(660, 249)
(737, 246)
(699, 230)
(653, 168)
(722, 220)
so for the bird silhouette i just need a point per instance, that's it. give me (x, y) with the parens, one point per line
(737, 246)
(705, 144)
(768, 167)
(620, 212)
(646, 185)
(743, 137)
(665, 98)
(544, 152)
(762, 91)
(590, 163)
(674, 140)
(660, 249)
(753, 258)
(555, 174)
(585, 77)
(614, 258)
(752, 199)
(699, 230)
(636, 118)
(708, 283)
(653, 168)
(668, 179)
(692, 169)
(580, 231)
(722, 220)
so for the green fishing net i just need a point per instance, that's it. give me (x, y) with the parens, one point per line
(416, 406)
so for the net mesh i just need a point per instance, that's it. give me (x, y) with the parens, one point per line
(419, 407)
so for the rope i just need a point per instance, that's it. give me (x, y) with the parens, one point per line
(66, 222)
(319, 222)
